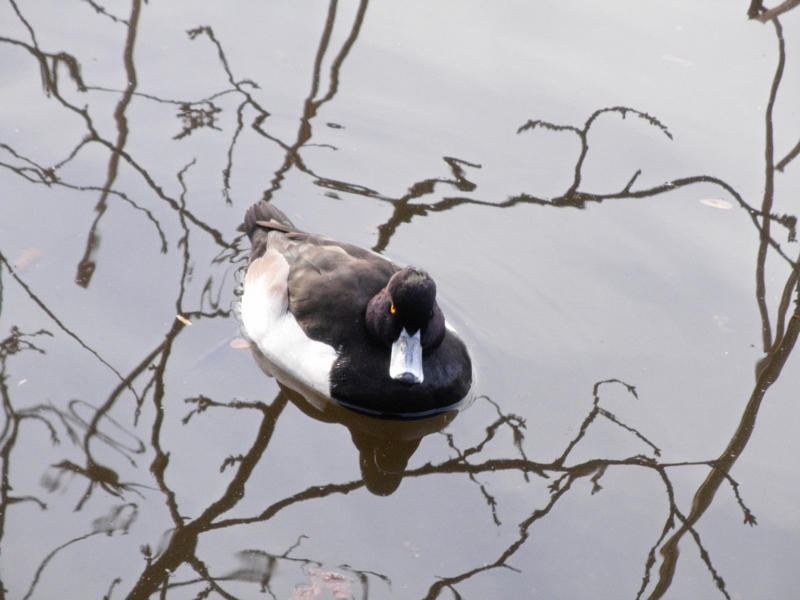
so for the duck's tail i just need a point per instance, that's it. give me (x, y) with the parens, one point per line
(262, 217)
(259, 220)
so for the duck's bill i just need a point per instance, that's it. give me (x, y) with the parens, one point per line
(406, 362)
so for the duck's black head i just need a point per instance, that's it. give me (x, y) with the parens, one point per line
(406, 309)
(413, 296)
(407, 302)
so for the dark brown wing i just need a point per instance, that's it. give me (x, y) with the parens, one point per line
(330, 285)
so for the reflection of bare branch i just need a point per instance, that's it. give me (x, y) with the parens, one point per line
(55, 319)
(102, 11)
(312, 104)
(15, 343)
(197, 116)
(490, 500)
(584, 132)
(404, 210)
(749, 517)
(516, 424)
(597, 410)
(87, 264)
(215, 235)
(785, 306)
(110, 527)
(201, 569)
(24, 22)
(48, 65)
(793, 153)
(97, 475)
(756, 7)
(704, 556)
(111, 587)
(470, 461)
(180, 549)
(259, 567)
(48, 176)
(458, 464)
(314, 493)
(613, 419)
(772, 342)
(770, 371)
(249, 100)
(336, 65)
(135, 445)
(448, 582)
(163, 349)
(50, 556)
(184, 538)
(769, 190)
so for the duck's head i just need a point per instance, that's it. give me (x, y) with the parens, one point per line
(404, 317)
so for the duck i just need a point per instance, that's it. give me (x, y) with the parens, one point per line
(348, 323)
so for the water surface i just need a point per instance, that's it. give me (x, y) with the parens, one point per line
(605, 195)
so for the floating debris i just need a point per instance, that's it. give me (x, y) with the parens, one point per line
(321, 581)
(717, 203)
(240, 343)
(26, 257)
(183, 320)
(722, 322)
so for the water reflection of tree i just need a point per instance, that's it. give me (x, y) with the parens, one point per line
(146, 381)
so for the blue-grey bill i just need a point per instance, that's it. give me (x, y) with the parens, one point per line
(406, 361)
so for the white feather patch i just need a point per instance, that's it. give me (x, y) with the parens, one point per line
(274, 329)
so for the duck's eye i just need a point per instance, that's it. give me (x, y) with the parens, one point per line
(392, 309)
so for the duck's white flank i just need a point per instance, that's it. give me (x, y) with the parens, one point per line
(274, 329)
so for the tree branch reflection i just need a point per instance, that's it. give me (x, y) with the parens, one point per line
(142, 392)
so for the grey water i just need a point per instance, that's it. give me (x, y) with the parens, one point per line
(605, 194)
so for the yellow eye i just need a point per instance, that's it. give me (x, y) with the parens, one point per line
(392, 309)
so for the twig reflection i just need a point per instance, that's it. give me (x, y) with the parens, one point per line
(143, 389)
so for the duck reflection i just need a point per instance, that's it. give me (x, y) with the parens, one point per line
(384, 445)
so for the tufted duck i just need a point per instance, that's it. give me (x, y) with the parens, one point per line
(349, 323)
